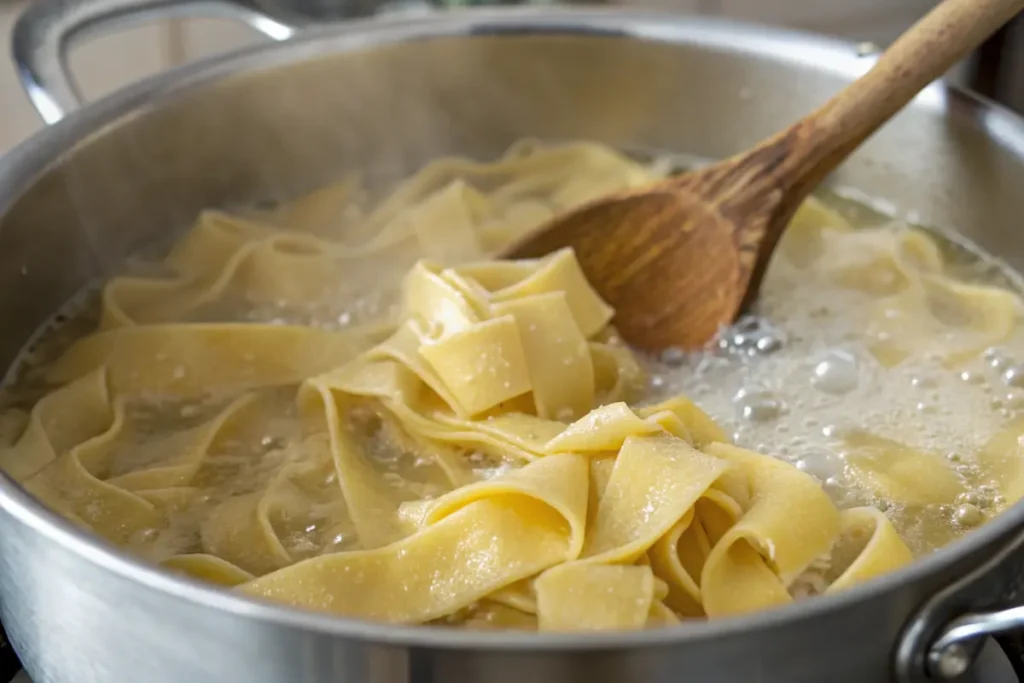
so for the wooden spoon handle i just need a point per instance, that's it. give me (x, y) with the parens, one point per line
(822, 140)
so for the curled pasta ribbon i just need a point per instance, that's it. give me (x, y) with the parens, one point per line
(209, 568)
(937, 315)
(474, 462)
(1001, 464)
(895, 472)
(477, 540)
(656, 479)
(620, 519)
(80, 481)
(526, 325)
(61, 420)
(722, 558)
(868, 546)
(916, 308)
(790, 522)
(453, 211)
(181, 361)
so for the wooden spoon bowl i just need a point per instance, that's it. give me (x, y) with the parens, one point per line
(682, 258)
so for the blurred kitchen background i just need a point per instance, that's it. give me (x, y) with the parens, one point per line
(112, 61)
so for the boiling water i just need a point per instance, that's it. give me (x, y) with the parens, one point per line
(792, 381)
(797, 377)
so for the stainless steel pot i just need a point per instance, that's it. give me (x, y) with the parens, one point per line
(387, 95)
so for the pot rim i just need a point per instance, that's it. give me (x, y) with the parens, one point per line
(21, 167)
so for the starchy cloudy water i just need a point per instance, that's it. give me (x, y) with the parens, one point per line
(794, 381)
(797, 379)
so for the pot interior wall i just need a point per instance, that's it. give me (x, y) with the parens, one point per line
(309, 112)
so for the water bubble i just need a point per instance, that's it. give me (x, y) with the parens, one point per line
(750, 336)
(969, 497)
(657, 381)
(836, 373)
(833, 486)
(969, 515)
(757, 405)
(822, 464)
(768, 344)
(1013, 376)
(971, 377)
(996, 358)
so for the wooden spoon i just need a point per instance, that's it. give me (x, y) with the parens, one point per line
(681, 258)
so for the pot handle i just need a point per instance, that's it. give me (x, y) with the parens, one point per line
(45, 31)
(944, 637)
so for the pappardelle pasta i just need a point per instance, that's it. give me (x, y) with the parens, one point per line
(469, 443)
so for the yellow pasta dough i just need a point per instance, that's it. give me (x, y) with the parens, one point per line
(475, 450)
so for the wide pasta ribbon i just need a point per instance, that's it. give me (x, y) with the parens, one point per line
(61, 420)
(477, 540)
(332, 243)
(84, 482)
(915, 308)
(486, 335)
(655, 481)
(182, 361)
(475, 461)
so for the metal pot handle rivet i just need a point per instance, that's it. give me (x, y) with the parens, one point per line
(944, 637)
(949, 662)
(45, 31)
